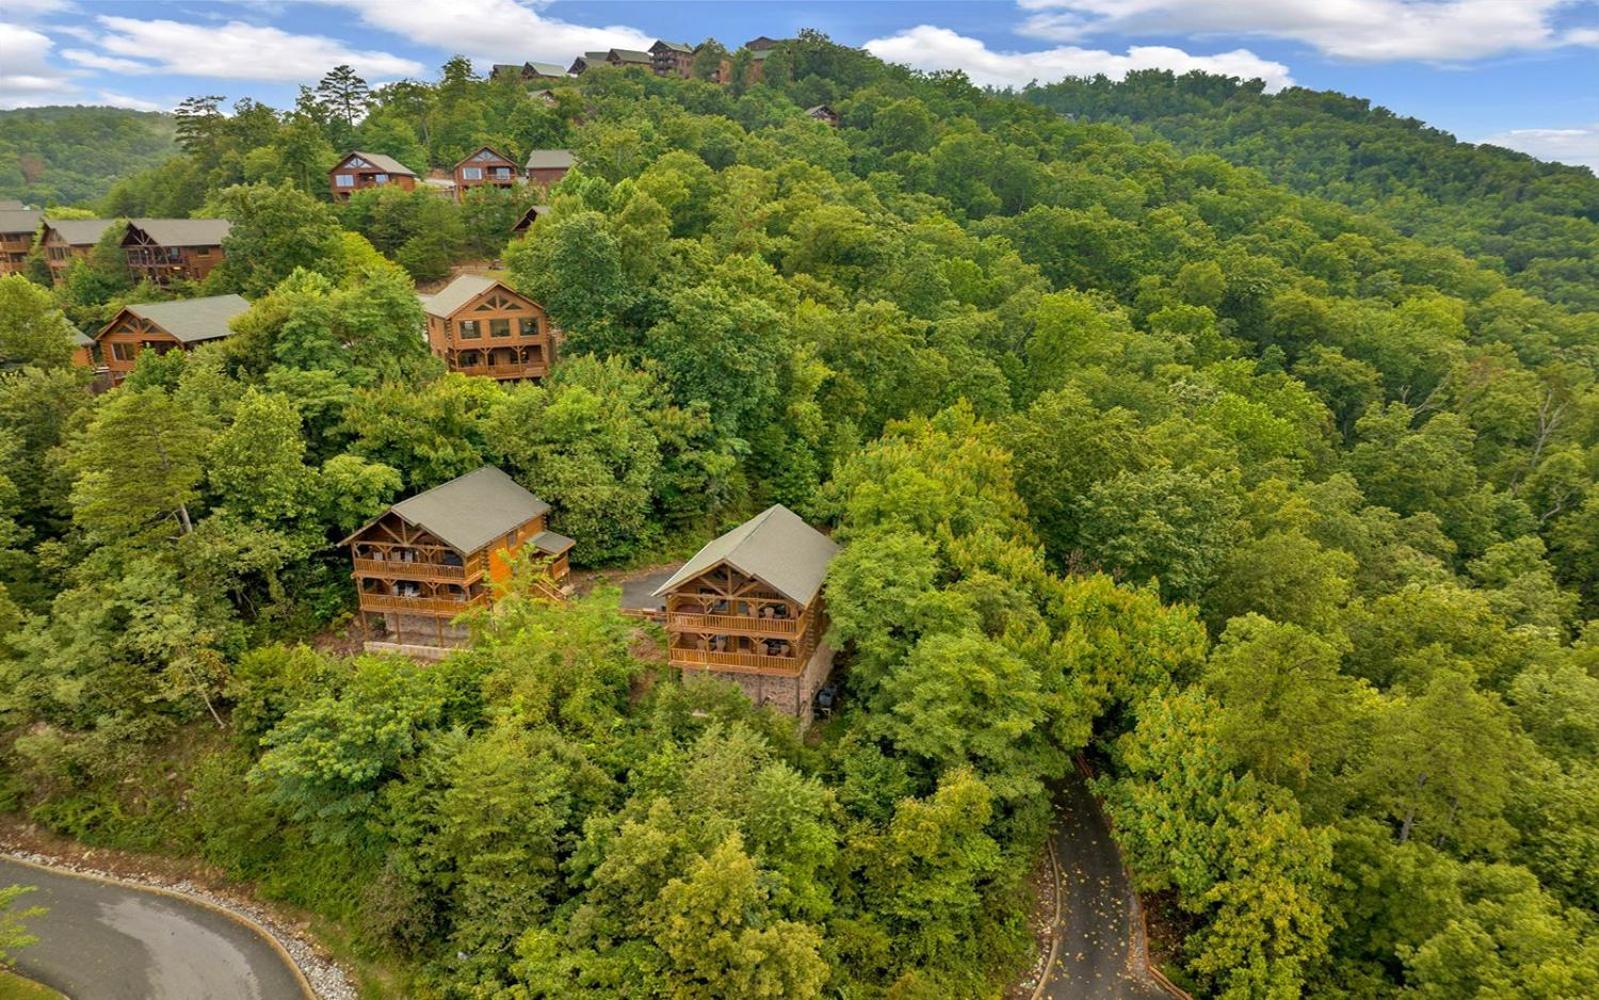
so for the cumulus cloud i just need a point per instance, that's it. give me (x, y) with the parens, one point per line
(28, 73)
(930, 48)
(1375, 30)
(1576, 146)
(116, 100)
(493, 30)
(231, 51)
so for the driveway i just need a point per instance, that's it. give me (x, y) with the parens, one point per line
(1097, 905)
(112, 941)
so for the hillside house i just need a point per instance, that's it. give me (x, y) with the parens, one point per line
(630, 57)
(546, 166)
(672, 59)
(761, 43)
(528, 71)
(358, 171)
(84, 353)
(823, 114)
(18, 227)
(164, 250)
(484, 167)
(163, 327)
(66, 240)
(586, 62)
(532, 215)
(436, 555)
(479, 326)
(748, 608)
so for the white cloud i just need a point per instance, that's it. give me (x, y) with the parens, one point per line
(1576, 146)
(134, 103)
(232, 51)
(929, 48)
(493, 30)
(1375, 30)
(29, 76)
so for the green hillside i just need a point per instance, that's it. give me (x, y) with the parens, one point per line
(1538, 222)
(70, 155)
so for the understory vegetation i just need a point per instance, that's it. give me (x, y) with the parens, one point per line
(1285, 519)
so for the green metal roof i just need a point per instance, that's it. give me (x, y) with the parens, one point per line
(775, 547)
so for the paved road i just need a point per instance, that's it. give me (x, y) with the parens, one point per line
(105, 941)
(1094, 960)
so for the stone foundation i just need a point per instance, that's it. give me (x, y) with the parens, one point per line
(794, 696)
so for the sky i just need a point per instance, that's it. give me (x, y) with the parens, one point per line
(1519, 73)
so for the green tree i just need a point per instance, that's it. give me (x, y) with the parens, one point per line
(32, 330)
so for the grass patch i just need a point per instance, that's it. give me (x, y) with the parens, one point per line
(16, 987)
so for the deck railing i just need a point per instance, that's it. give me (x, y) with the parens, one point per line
(753, 663)
(529, 369)
(420, 605)
(690, 620)
(415, 569)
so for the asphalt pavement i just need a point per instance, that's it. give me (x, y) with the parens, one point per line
(1095, 959)
(112, 941)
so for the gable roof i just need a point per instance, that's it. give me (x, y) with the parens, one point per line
(666, 46)
(629, 56)
(386, 163)
(20, 220)
(447, 301)
(821, 110)
(10, 205)
(468, 158)
(549, 159)
(529, 217)
(189, 320)
(80, 232)
(470, 511)
(505, 69)
(183, 232)
(775, 547)
(543, 69)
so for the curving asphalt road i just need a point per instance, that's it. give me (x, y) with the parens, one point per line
(1094, 959)
(112, 941)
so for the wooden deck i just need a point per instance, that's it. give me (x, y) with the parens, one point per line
(419, 605)
(752, 663)
(777, 628)
(399, 569)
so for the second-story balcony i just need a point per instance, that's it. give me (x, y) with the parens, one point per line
(737, 662)
(421, 605)
(416, 569)
(736, 624)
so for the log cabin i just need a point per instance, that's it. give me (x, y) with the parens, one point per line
(18, 227)
(67, 240)
(436, 555)
(84, 350)
(630, 57)
(748, 608)
(165, 250)
(358, 171)
(761, 43)
(533, 214)
(484, 167)
(479, 326)
(161, 327)
(672, 59)
(528, 71)
(823, 114)
(546, 166)
(586, 62)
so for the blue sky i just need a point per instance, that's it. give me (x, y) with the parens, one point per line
(1523, 73)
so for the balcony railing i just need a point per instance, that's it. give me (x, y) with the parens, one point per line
(420, 605)
(691, 621)
(531, 369)
(400, 569)
(750, 663)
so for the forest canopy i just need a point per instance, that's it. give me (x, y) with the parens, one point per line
(1285, 519)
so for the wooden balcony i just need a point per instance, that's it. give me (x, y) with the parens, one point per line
(779, 628)
(420, 605)
(399, 569)
(532, 369)
(738, 663)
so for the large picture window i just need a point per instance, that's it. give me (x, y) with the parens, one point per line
(344, 180)
(468, 329)
(499, 328)
(529, 326)
(471, 173)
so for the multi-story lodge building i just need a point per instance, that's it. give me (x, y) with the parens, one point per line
(485, 166)
(479, 326)
(359, 170)
(546, 166)
(630, 57)
(431, 557)
(163, 250)
(672, 59)
(18, 227)
(748, 608)
(163, 327)
(66, 240)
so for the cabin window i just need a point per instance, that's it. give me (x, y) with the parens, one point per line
(471, 173)
(503, 173)
(499, 328)
(469, 329)
(529, 326)
(122, 352)
(344, 180)
(381, 178)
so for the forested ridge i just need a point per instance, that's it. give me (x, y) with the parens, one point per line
(1287, 520)
(71, 155)
(1536, 221)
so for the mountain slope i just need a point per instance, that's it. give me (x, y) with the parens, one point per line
(67, 155)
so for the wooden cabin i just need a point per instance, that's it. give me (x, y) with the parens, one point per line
(546, 166)
(161, 327)
(630, 57)
(586, 62)
(761, 43)
(484, 167)
(358, 171)
(479, 326)
(165, 250)
(533, 214)
(18, 227)
(431, 557)
(84, 350)
(823, 114)
(748, 608)
(67, 240)
(528, 71)
(672, 59)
